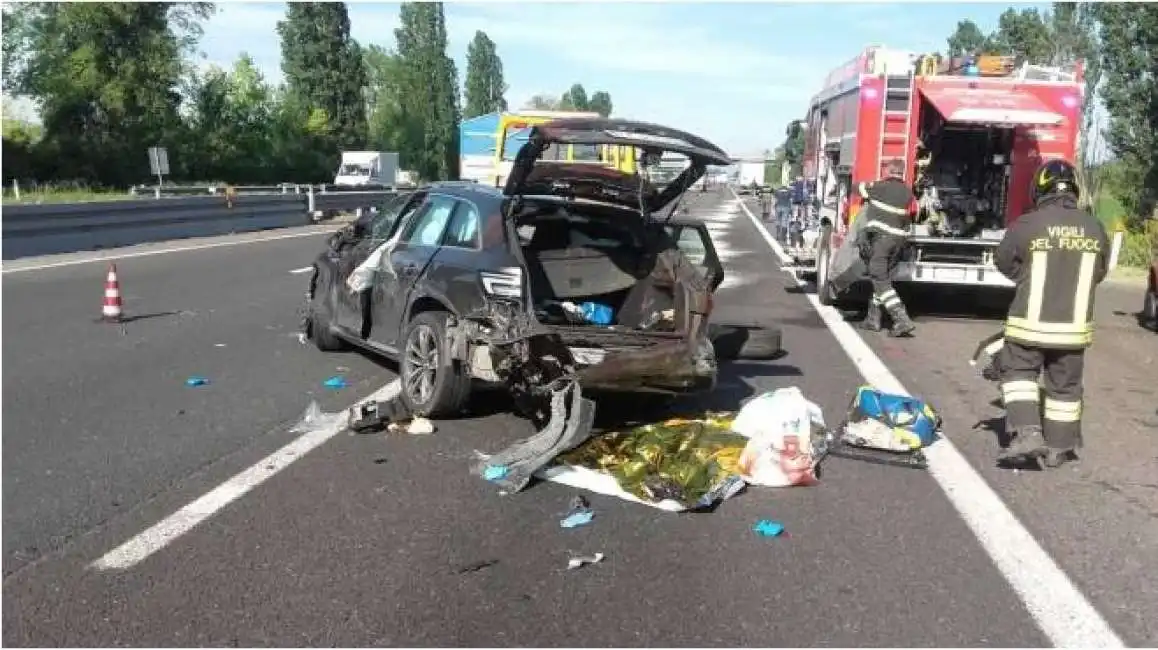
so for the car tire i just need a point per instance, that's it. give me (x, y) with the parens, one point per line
(733, 342)
(321, 315)
(433, 384)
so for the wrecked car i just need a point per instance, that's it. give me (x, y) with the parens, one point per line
(570, 272)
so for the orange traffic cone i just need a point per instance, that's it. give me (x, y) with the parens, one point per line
(111, 312)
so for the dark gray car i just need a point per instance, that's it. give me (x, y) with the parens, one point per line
(470, 282)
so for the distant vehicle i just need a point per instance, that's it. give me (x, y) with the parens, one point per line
(970, 133)
(367, 169)
(751, 173)
(569, 269)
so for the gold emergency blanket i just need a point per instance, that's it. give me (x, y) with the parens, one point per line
(680, 459)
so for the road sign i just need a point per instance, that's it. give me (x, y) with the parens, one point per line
(158, 161)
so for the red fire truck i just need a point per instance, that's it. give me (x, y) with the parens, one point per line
(971, 132)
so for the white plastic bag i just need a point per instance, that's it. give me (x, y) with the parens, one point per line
(779, 426)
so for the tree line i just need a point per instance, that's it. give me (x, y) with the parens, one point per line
(1115, 42)
(111, 79)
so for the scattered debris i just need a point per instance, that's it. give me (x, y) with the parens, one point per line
(196, 381)
(302, 338)
(566, 429)
(335, 383)
(219, 345)
(342, 369)
(884, 429)
(315, 418)
(576, 562)
(580, 517)
(780, 427)
(420, 426)
(375, 416)
(494, 473)
(475, 567)
(768, 528)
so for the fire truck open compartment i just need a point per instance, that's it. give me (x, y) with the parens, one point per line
(967, 174)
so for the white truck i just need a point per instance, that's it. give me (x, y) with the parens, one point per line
(367, 169)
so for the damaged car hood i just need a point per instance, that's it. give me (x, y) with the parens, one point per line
(530, 175)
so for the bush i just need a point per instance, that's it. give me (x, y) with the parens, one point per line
(1139, 247)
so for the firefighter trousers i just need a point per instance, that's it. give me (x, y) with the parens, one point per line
(1060, 417)
(881, 256)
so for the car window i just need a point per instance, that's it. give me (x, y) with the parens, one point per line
(387, 216)
(430, 223)
(463, 231)
(691, 244)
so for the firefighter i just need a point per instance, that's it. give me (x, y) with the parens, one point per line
(880, 240)
(1057, 255)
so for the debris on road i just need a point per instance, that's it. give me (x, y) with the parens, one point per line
(420, 426)
(315, 418)
(675, 466)
(475, 567)
(780, 427)
(569, 426)
(494, 473)
(576, 562)
(768, 528)
(883, 428)
(335, 383)
(580, 514)
(376, 416)
(196, 381)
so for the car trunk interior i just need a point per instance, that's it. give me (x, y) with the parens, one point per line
(580, 254)
(969, 168)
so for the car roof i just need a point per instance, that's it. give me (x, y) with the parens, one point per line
(466, 189)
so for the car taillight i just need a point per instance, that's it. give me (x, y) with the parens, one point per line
(504, 283)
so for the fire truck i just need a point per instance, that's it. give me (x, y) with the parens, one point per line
(970, 132)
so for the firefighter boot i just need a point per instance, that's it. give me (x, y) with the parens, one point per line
(902, 325)
(1028, 445)
(873, 318)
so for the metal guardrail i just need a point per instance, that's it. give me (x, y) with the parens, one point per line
(218, 189)
(69, 227)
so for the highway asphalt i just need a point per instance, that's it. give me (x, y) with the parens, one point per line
(387, 539)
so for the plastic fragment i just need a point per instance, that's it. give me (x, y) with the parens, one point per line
(336, 382)
(768, 528)
(576, 562)
(315, 418)
(495, 472)
(420, 426)
(196, 381)
(577, 518)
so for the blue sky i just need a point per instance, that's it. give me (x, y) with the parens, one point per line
(735, 73)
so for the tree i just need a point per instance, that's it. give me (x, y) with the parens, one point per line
(968, 39)
(1024, 35)
(484, 78)
(794, 143)
(600, 103)
(1129, 57)
(542, 102)
(323, 68)
(575, 99)
(429, 85)
(385, 117)
(105, 77)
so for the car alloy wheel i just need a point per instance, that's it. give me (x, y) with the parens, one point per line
(421, 364)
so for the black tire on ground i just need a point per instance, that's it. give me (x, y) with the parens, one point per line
(733, 342)
(433, 384)
(321, 315)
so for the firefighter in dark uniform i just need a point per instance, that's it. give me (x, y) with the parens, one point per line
(1057, 254)
(880, 240)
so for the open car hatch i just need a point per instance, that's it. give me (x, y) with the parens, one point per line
(652, 139)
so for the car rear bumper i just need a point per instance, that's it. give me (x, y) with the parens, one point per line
(668, 367)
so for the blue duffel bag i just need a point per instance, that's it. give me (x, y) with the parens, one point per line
(899, 423)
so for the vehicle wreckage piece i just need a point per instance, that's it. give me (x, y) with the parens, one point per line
(832, 443)
(571, 420)
(376, 416)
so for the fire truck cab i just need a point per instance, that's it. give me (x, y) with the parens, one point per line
(970, 131)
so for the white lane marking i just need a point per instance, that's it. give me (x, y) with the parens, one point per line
(165, 531)
(304, 269)
(107, 256)
(1057, 606)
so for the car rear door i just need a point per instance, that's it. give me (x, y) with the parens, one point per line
(421, 237)
(695, 241)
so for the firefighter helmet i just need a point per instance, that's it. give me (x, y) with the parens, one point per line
(1054, 177)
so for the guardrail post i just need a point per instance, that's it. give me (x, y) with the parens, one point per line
(157, 193)
(310, 201)
(1115, 249)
